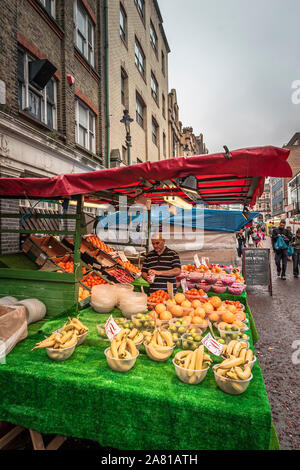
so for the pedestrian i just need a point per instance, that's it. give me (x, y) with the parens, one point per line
(161, 265)
(256, 237)
(281, 254)
(296, 255)
(241, 241)
(289, 228)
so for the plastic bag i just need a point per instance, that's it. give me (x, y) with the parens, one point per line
(13, 328)
(280, 244)
(290, 250)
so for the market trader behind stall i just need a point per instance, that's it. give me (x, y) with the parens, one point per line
(162, 263)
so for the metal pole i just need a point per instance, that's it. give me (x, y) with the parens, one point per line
(148, 229)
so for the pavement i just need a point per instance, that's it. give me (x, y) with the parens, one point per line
(278, 352)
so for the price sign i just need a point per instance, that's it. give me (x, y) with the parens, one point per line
(205, 261)
(111, 328)
(184, 285)
(197, 261)
(212, 345)
(170, 290)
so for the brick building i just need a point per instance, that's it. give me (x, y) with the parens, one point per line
(192, 144)
(174, 126)
(48, 126)
(137, 81)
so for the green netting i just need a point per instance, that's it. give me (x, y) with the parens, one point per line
(145, 408)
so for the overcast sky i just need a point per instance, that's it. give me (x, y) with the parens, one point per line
(232, 63)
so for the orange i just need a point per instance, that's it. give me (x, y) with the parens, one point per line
(200, 312)
(215, 301)
(160, 308)
(228, 317)
(179, 298)
(213, 316)
(166, 315)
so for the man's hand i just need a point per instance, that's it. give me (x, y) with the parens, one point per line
(153, 272)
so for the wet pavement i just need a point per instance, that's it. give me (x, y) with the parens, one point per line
(277, 321)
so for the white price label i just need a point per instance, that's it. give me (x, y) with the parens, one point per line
(184, 285)
(212, 345)
(111, 328)
(197, 261)
(205, 261)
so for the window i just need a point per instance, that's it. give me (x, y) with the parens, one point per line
(85, 126)
(163, 105)
(163, 65)
(50, 6)
(154, 132)
(140, 4)
(153, 37)
(139, 58)
(140, 109)
(154, 87)
(123, 24)
(84, 32)
(123, 87)
(41, 104)
(164, 145)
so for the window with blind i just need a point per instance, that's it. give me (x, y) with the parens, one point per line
(140, 111)
(84, 32)
(139, 58)
(85, 126)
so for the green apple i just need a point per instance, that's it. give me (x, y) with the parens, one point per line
(139, 315)
(221, 341)
(190, 338)
(185, 345)
(181, 329)
(197, 338)
(228, 328)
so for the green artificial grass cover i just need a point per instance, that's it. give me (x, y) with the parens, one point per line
(145, 408)
(17, 261)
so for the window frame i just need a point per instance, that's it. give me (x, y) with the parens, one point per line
(154, 44)
(87, 129)
(89, 46)
(139, 117)
(155, 136)
(52, 11)
(124, 31)
(154, 93)
(140, 5)
(137, 58)
(28, 90)
(163, 105)
(163, 63)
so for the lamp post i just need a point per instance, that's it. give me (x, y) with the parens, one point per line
(127, 120)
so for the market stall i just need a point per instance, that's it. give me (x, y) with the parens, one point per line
(147, 407)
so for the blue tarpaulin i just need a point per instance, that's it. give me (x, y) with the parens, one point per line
(205, 219)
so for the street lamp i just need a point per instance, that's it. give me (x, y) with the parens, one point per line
(127, 120)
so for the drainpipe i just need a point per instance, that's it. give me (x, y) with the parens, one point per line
(107, 121)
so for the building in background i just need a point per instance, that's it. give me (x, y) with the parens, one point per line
(174, 126)
(263, 204)
(51, 92)
(192, 144)
(277, 195)
(137, 81)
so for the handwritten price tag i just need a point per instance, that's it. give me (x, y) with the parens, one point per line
(197, 261)
(184, 285)
(170, 290)
(122, 256)
(111, 328)
(212, 345)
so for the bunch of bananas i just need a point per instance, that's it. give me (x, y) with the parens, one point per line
(74, 324)
(238, 349)
(192, 365)
(234, 368)
(59, 341)
(159, 345)
(122, 347)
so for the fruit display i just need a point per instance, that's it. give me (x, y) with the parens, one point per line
(191, 366)
(177, 328)
(129, 266)
(191, 340)
(159, 345)
(143, 321)
(83, 293)
(100, 244)
(120, 275)
(233, 375)
(93, 279)
(157, 297)
(239, 349)
(214, 277)
(68, 265)
(195, 294)
(122, 353)
(76, 326)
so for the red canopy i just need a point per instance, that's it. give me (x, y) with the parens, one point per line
(237, 180)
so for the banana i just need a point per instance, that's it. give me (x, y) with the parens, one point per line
(243, 353)
(168, 338)
(244, 344)
(187, 361)
(120, 335)
(243, 374)
(224, 350)
(232, 375)
(159, 339)
(230, 347)
(199, 359)
(236, 349)
(121, 350)
(133, 333)
(66, 337)
(249, 356)
(154, 338)
(229, 363)
(72, 342)
(221, 371)
(113, 349)
(138, 338)
(192, 363)
(181, 354)
(131, 347)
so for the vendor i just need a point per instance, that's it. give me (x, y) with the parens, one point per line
(162, 263)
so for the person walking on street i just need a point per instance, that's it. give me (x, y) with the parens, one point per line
(241, 242)
(281, 254)
(289, 228)
(296, 255)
